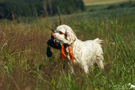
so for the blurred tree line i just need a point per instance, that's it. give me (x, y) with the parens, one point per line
(12, 9)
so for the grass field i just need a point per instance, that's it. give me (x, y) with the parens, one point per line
(25, 66)
(102, 2)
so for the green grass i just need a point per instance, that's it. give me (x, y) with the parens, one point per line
(102, 2)
(128, 4)
(24, 64)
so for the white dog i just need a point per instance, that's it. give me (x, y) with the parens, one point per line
(86, 53)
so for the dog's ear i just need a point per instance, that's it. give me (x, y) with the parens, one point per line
(70, 36)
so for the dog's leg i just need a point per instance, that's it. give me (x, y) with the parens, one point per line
(100, 62)
(86, 69)
(71, 67)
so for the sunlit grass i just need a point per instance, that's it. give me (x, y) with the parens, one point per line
(102, 2)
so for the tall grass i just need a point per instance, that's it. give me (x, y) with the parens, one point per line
(25, 66)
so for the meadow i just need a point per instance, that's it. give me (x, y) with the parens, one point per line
(25, 66)
(102, 2)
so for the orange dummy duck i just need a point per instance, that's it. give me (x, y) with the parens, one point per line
(63, 55)
(59, 44)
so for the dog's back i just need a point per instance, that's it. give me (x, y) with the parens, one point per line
(90, 53)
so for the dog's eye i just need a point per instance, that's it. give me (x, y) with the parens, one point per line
(60, 32)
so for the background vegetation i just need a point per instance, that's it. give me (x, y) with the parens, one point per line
(25, 66)
(12, 9)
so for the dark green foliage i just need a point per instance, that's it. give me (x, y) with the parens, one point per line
(68, 6)
(18, 8)
(32, 8)
(128, 4)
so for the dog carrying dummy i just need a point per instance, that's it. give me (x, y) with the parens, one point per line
(61, 45)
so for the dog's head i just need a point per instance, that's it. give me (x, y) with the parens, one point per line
(64, 32)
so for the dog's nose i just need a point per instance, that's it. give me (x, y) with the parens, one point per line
(53, 36)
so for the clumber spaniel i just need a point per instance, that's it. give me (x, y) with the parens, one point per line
(86, 53)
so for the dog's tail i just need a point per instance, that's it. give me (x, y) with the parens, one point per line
(98, 40)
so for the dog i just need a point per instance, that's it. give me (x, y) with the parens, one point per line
(86, 53)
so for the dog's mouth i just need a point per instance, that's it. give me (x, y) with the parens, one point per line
(62, 39)
(53, 36)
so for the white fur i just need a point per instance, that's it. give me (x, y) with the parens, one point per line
(131, 86)
(86, 53)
